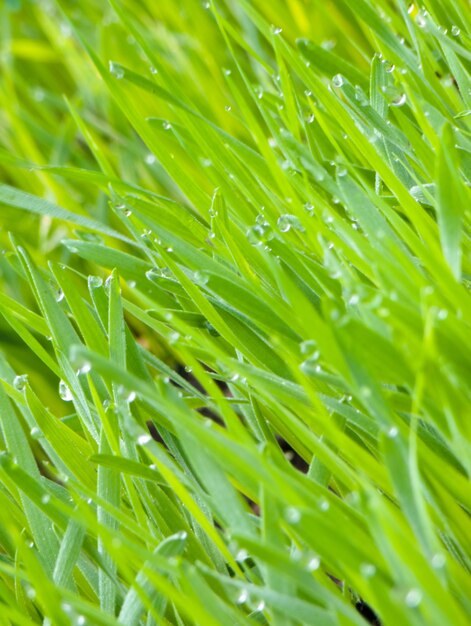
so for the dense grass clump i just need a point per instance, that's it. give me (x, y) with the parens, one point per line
(235, 312)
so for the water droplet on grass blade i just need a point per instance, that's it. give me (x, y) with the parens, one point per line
(293, 515)
(30, 593)
(242, 597)
(85, 369)
(367, 570)
(288, 221)
(365, 392)
(399, 101)
(455, 31)
(20, 382)
(116, 70)
(438, 561)
(338, 80)
(35, 433)
(413, 598)
(324, 504)
(242, 555)
(308, 347)
(142, 440)
(64, 392)
(94, 282)
(313, 564)
(200, 278)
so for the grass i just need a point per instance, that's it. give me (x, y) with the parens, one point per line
(235, 313)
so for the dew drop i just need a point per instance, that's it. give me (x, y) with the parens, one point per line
(242, 597)
(153, 70)
(338, 81)
(313, 564)
(438, 561)
(38, 94)
(142, 440)
(365, 392)
(242, 555)
(150, 158)
(30, 593)
(66, 607)
(94, 282)
(393, 432)
(45, 498)
(152, 274)
(308, 347)
(173, 337)
(228, 108)
(399, 101)
(20, 382)
(367, 570)
(64, 392)
(116, 70)
(108, 282)
(200, 278)
(35, 433)
(311, 118)
(420, 20)
(324, 504)
(166, 126)
(413, 598)
(85, 369)
(455, 31)
(277, 30)
(59, 295)
(288, 221)
(293, 515)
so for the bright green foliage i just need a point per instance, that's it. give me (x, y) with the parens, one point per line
(229, 227)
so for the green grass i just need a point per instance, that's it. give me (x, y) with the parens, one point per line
(236, 243)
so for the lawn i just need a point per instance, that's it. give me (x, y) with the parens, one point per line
(235, 313)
